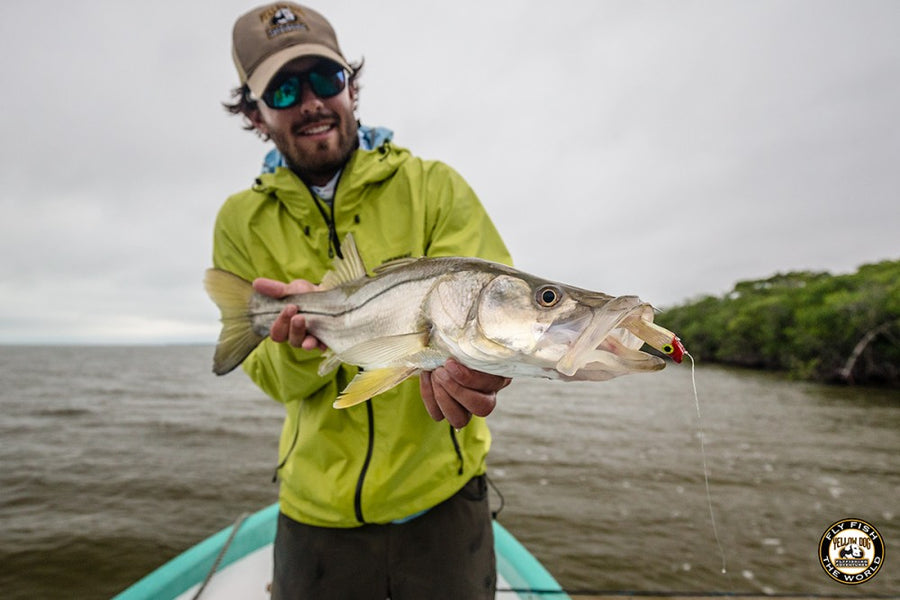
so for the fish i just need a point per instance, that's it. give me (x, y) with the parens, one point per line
(412, 314)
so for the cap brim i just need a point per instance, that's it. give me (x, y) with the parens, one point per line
(263, 74)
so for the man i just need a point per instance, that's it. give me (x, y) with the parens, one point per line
(387, 498)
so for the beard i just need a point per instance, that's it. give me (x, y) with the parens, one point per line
(316, 161)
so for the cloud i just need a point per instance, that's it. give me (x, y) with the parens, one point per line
(664, 149)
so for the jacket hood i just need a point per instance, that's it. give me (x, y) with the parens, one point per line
(370, 138)
(365, 168)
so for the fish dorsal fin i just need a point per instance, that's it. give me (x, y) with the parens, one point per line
(344, 270)
(392, 265)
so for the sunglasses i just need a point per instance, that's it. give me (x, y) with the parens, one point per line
(325, 80)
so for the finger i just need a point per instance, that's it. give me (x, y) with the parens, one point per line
(478, 402)
(297, 332)
(312, 343)
(300, 286)
(431, 405)
(476, 380)
(279, 289)
(446, 392)
(270, 287)
(281, 327)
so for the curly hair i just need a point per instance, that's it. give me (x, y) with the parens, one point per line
(243, 103)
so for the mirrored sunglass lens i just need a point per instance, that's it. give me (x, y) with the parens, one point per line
(285, 94)
(326, 84)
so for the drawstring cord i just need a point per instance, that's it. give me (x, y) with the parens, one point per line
(495, 513)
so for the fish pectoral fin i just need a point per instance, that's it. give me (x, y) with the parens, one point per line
(388, 350)
(367, 384)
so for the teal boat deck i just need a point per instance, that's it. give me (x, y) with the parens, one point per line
(518, 570)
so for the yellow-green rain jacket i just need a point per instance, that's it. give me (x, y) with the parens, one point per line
(385, 459)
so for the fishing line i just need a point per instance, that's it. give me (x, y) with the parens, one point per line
(712, 516)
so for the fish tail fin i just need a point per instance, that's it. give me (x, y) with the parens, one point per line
(237, 339)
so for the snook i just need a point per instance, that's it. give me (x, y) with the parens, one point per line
(415, 313)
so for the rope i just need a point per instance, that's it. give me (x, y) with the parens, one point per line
(218, 561)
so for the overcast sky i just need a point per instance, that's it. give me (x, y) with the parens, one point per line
(665, 149)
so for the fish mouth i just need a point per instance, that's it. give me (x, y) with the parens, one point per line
(603, 339)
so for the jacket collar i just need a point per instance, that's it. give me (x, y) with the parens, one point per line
(365, 168)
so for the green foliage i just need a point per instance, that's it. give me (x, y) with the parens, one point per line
(807, 323)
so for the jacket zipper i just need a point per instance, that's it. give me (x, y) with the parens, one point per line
(458, 450)
(334, 242)
(357, 500)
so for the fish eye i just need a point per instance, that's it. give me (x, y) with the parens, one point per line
(668, 349)
(548, 295)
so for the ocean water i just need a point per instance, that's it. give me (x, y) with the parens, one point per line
(114, 460)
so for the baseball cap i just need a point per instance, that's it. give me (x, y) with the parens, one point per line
(270, 36)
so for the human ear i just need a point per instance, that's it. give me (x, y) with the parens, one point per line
(256, 119)
(354, 97)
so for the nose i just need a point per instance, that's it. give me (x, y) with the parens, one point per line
(308, 98)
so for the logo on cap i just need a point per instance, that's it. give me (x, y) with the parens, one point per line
(281, 19)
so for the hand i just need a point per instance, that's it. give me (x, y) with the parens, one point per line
(456, 392)
(289, 326)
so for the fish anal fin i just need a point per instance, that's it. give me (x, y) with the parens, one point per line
(367, 384)
(330, 362)
(344, 270)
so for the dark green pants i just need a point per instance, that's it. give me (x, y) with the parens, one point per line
(446, 553)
